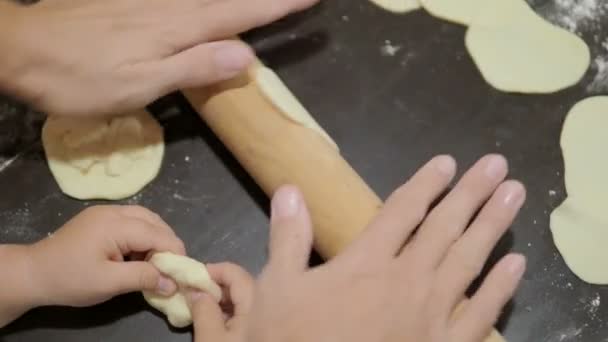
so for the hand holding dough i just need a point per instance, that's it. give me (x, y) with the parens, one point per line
(580, 224)
(188, 274)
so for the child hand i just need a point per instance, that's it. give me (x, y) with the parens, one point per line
(227, 321)
(84, 264)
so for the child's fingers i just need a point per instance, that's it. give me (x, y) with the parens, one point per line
(144, 214)
(134, 235)
(467, 257)
(476, 319)
(207, 317)
(290, 231)
(238, 286)
(126, 277)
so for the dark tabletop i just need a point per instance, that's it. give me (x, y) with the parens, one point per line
(389, 113)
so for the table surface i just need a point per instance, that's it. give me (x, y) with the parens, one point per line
(390, 111)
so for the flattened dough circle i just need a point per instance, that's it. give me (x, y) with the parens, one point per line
(518, 51)
(188, 274)
(580, 224)
(103, 158)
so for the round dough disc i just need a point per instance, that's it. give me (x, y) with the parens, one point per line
(518, 51)
(580, 224)
(188, 274)
(103, 158)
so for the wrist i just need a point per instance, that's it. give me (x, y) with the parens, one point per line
(18, 292)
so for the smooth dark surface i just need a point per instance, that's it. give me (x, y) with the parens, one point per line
(389, 114)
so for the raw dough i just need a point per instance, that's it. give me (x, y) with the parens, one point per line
(275, 91)
(397, 6)
(188, 274)
(103, 158)
(580, 224)
(518, 51)
(457, 11)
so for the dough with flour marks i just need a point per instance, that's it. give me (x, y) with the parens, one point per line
(580, 224)
(103, 158)
(188, 274)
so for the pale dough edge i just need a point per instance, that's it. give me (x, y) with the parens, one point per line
(186, 272)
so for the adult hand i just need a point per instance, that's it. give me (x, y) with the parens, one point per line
(82, 57)
(83, 263)
(395, 283)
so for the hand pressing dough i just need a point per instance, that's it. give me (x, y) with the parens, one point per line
(397, 6)
(580, 224)
(518, 51)
(188, 274)
(276, 92)
(457, 11)
(103, 158)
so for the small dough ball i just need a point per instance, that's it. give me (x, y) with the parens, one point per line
(397, 6)
(188, 274)
(580, 225)
(518, 51)
(103, 158)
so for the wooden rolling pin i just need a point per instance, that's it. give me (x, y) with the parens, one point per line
(278, 151)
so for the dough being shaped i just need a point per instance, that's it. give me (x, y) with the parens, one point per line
(398, 6)
(277, 93)
(188, 274)
(580, 224)
(518, 51)
(103, 158)
(456, 11)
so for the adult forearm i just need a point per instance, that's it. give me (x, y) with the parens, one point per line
(17, 288)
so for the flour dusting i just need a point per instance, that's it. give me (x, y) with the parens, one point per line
(577, 15)
(17, 227)
(600, 67)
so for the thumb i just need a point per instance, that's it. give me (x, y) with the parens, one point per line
(207, 317)
(206, 64)
(140, 276)
(290, 231)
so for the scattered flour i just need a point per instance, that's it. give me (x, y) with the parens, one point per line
(17, 227)
(388, 49)
(592, 306)
(600, 66)
(576, 15)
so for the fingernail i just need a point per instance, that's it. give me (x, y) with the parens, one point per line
(517, 265)
(496, 167)
(445, 165)
(285, 203)
(515, 194)
(166, 286)
(232, 58)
